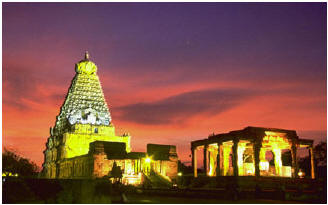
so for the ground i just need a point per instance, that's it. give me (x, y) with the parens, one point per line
(24, 190)
(146, 199)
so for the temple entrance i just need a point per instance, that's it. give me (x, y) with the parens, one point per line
(271, 155)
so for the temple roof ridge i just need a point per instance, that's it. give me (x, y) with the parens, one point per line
(268, 129)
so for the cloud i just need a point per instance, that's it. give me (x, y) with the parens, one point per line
(21, 85)
(36, 145)
(179, 108)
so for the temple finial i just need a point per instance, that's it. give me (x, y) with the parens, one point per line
(86, 56)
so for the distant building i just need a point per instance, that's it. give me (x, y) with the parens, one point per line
(245, 153)
(83, 143)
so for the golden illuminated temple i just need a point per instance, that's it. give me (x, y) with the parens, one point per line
(245, 153)
(83, 143)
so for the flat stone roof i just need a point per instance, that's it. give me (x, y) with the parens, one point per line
(250, 133)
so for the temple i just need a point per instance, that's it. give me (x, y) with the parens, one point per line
(245, 153)
(83, 143)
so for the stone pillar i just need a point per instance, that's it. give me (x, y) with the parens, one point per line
(277, 161)
(240, 159)
(256, 151)
(194, 160)
(225, 160)
(312, 162)
(209, 160)
(294, 160)
(212, 161)
(218, 161)
(205, 159)
(235, 157)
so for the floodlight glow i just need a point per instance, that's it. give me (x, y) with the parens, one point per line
(264, 165)
(301, 174)
(148, 160)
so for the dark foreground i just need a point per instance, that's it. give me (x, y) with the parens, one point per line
(146, 199)
(18, 190)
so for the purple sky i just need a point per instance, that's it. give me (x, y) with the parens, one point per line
(171, 72)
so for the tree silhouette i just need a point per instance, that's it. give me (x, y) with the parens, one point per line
(320, 159)
(12, 163)
(184, 169)
(320, 153)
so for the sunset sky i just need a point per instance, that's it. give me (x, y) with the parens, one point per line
(171, 72)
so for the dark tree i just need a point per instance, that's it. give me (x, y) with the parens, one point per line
(320, 159)
(15, 164)
(320, 153)
(184, 169)
(304, 164)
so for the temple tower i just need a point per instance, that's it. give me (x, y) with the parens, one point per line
(84, 118)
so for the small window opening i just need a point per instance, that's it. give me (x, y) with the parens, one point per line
(96, 130)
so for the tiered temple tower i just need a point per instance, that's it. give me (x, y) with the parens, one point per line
(84, 118)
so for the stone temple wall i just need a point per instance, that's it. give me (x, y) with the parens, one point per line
(97, 164)
(76, 168)
(171, 168)
(164, 159)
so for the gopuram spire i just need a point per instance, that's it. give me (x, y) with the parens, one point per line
(85, 102)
